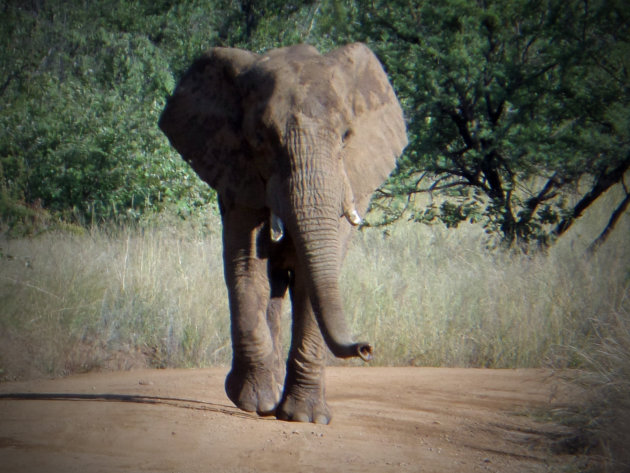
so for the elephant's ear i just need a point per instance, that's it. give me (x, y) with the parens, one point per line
(377, 134)
(203, 121)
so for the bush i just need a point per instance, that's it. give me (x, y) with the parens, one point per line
(81, 119)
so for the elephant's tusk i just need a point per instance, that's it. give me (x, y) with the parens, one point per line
(353, 217)
(277, 228)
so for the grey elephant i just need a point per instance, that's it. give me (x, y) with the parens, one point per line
(295, 143)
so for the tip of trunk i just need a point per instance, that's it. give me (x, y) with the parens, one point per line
(364, 350)
(361, 350)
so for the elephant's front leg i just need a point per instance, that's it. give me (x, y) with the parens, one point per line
(253, 384)
(304, 392)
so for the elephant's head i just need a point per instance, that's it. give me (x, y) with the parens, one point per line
(308, 136)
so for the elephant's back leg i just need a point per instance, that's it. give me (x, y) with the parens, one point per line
(281, 256)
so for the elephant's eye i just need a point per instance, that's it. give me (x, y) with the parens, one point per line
(346, 135)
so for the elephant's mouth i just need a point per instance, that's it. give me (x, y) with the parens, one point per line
(276, 224)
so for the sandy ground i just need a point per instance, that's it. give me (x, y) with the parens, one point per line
(384, 419)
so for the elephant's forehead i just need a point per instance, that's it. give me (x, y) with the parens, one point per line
(301, 80)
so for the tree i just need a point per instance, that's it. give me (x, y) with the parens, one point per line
(513, 107)
(518, 111)
(82, 88)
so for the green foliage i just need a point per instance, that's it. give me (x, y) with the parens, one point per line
(510, 105)
(80, 111)
(260, 25)
(518, 111)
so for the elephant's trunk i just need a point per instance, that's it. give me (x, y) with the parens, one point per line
(315, 188)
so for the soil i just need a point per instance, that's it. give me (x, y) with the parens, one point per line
(384, 420)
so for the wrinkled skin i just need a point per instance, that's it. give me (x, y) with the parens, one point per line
(295, 143)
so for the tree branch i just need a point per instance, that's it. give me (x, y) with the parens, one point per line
(408, 38)
(489, 170)
(610, 226)
(462, 126)
(603, 183)
(494, 113)
(466, 174)
(6, 83)
(544, 194)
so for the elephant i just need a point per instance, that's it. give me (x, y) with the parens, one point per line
(294, 142)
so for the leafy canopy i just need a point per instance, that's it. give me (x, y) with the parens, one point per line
(518, 111)
(512, 107)
(82, 87)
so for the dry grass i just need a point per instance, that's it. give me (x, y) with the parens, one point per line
(431, 297)
(423, 296)
(73, 302)
(605, 416)
(155, 296)
(434, 297)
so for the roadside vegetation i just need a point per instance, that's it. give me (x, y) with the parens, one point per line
(518, 115)
(152, 293)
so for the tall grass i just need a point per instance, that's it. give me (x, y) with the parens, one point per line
(154, 295)
(424, 296)
(604, 413)
(436, 297)
(115, 299)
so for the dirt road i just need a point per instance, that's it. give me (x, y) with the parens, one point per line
(384, 420)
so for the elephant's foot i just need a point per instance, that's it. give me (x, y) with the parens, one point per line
(254, 389)
(304, 404)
